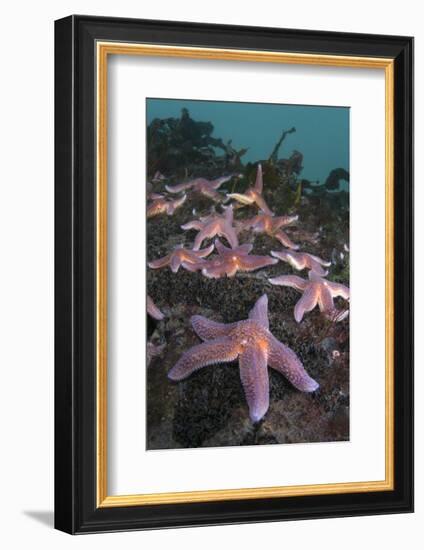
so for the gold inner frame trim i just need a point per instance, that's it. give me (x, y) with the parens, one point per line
(103, 50)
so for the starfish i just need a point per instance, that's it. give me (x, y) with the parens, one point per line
(153, 310)
(231, 260)
(315, 291)
(254, 194)
(214, 225)
(251, 342)
(302, 260)
(182, 256)
(202, 185)
(160, 205)
(272, 226)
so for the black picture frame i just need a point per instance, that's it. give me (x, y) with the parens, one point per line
(76, 509)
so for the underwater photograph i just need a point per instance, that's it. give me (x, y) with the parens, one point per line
(247, 273)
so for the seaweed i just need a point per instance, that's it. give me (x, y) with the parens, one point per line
(332, 182)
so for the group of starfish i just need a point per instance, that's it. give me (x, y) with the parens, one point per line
(248, 340)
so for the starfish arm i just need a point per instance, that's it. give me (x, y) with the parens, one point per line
(243, 199)
(160, 262)
(298, 262)
(282, 359)
(255, 381)
(307, 302)
(156, 196)
(231, 268)
(285, 240)
(173, 205)
(179, 187)
(193, 266)
(207, 232)
(292, 281)
(259, 312)
(230, 234)
(195, 224)
(220, 350)
(216, 184)
(154, 209)
(221, 248)
(175, 262)
(251, 263)
(214, 195)
(259, 183)
(283, 221)
(317, 267)
(210, 217)
(320, 260)
(229, 214)
(338, 289)
(204, 252)
(153, 310)
(210, 330)
(260, 201)
(214, 270)
(325, 300)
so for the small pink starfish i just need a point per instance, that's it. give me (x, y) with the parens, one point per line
(315, 291)
(272, 226)
(214, 225)
(254, 194)
(202, 185)
(153, 310)
(231, 260)
(302, 260)
(160, 205)
(182, 256)
(251, 342)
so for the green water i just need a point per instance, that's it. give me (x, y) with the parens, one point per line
(322, 133)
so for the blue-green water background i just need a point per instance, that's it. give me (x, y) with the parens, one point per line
(322, 133)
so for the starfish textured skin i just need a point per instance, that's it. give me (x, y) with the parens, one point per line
(214, 225)
(254, 194)
(182, 257)
(231, 260)
(153, 310)
(202, 185)
(272, 226)
(315, 291)
(160, 205)
(302, 260)
(252, 343)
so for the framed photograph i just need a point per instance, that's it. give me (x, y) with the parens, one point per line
(234, 274)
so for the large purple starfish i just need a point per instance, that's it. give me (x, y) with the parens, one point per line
(231, 260)
(315, 291)
(213, 225)
(302, 260)
(254, 194)
(255, 347)
(181, 256)
(203, 186)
